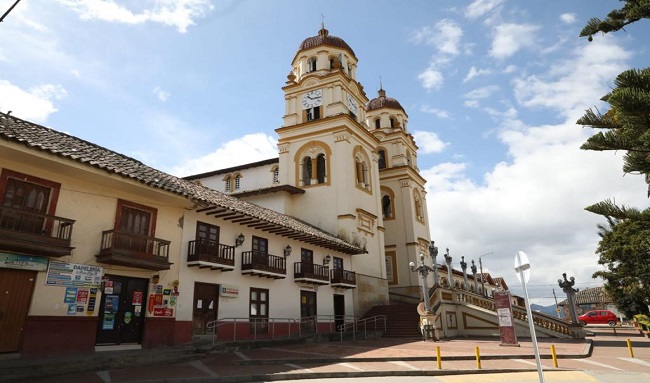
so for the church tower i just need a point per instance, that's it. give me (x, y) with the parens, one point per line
(402, 193)
(326, 148)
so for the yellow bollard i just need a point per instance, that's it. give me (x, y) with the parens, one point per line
(629, 348)
(554, 355)
(478, 358)
(438, 357)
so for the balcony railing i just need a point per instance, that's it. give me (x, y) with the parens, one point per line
(28, 232)
(310, 273)
(209, 254)
(127, 249)
(343, 278)
(263, 265)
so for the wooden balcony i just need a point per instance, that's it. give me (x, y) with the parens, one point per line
(263, 265)
(26, 232)
(126, 249)
(310, 273)
(343, 279)
(212, 255)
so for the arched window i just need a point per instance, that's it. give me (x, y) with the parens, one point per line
(377, 123)
(392, 122)
(276, 174)
(237, 178)
(362, 168)
(419, 211)
(382, 158)
(306, 171)
(227, 183)
(311, 64)
(444, 282)
(457, 285)
(312, 164)
(387, 203)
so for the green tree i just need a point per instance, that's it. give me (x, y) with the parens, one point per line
(624, 251)
(632, 11)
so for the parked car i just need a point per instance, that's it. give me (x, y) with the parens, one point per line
(598, 317)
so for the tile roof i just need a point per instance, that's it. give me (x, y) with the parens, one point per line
(48, 140)
(590, 295)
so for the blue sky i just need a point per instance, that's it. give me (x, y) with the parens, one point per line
(492, 89)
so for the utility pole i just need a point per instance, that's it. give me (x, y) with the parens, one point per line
(480, 263)
(557, 309)
(9, 10)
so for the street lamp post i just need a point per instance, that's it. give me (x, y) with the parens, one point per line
(449, 272)
(463, 266)
(423, 270)
(567, 287)
(480, 263)
(433, 252)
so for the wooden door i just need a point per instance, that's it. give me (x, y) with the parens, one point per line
(16, 288)
(339, 309)
(138, 222)
(121, 312)
(206, 299)
(308, 310)
(28, 197)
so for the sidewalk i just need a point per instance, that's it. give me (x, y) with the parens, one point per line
(283, 360)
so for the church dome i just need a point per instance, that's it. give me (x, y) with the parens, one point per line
(324, 38)
(384, 102)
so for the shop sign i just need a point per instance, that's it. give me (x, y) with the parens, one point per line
(22, 262)
(506, 322)
(229, 291)
(73, 274)
(163, 312)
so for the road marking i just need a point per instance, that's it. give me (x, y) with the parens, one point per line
(297, 367)
(104, 375)
(525, 362)
(202, 367)
(239, 354)
(348, 365)
(637, 361)
(597, 364)
(404, 364)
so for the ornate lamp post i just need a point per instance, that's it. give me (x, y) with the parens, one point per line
(423, 270)
(433, 252)
(567, 287)
(474, 274)
(448, 261)
(463, 266)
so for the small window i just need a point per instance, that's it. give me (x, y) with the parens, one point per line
(320, 168)
(227, 185)
(392, 122)
(237, 181)
(276, 175)
(313, 113)
(306, 171)
(386, 208)
(382, 159)
(377, 123)
(312, 64)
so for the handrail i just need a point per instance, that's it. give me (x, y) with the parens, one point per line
(140, 243)
(331, 319)
(29, 222)
(213, 325)
(356, 324)
(211, 251)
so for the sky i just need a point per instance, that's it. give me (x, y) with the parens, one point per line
(492, 88)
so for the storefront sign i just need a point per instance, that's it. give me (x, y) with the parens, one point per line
(163, 312)
(506, 322)
(229, 291)
(151, 303)
(23, 262)
(82, 296)
(137, 298)
(73, 274)
(70, 295)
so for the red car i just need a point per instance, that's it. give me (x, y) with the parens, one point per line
(598, 317)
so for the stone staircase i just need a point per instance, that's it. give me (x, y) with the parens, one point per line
(403, 320)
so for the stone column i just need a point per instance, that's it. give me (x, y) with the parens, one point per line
(448, 261)
(463, 266)
(474, 274)
(433, 252)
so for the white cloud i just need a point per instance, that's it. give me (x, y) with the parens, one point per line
(510, 69)
(435, 111)
(176, 13)
(431, 79)
(473, 72)
(479, 8)
(249, 148)
(445, 36)
(576, 80)
(481, 93)
(429, 142)
(568, 18)
(509, 38)
(471, 103)
(35, 104)
(161, 94)
(535, 200)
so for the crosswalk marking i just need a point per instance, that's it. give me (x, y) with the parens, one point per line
(637, 361)
(348, 365)
(200, 366)
(524, 361)
(241, 355)
(404, 364)
(297, 367)
(597, 364)
(104, 376)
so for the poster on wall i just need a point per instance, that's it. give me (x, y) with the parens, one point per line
(82, 296)
(73, 274)
(72, 309)
(92, 298)
(70, 295)
(111, 303)
(109, 322)
(137, 298)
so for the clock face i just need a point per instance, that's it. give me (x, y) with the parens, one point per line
(352, 105)
(312, 99)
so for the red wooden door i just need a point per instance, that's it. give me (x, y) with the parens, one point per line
(16, 288)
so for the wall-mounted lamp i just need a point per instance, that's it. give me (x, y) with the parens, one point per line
(155, 279)
(326, 260)
(287, 251)
(239, 240)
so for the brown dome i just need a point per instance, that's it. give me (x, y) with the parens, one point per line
(384, 102)
(324, 38)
